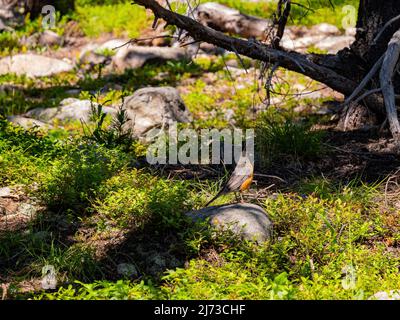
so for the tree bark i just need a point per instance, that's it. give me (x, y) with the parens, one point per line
(372, 16)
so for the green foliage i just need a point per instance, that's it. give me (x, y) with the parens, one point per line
(74, 177)
(24, 154)
(8, 43)
(304, 12)
(132, 198)
(115, 135)
(104, 290)
(280, 138)
(119, 19)
(36, 249)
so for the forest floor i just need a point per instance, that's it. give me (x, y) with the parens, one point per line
(114, 227)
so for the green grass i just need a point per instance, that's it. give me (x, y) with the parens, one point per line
(322, 11)
(119, 19)
(279, 138)
(315, 239)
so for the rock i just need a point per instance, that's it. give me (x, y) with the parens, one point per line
(27, 123)
(300, 44)
(16, 209)
(92, 58)
(351, 32)
(33, 65)
(152, 107)
(127, 270)
(112, 44)
(157, 263)
(3, 26)
(46, 38)
(27, 209)
(225, 19)
(133, 57)
(247, 220)
(334, 44)
(325, 29)
(69, 109)
(96, 54)
(5, 192)
(331, 44)
(386, 295)
(9, 16)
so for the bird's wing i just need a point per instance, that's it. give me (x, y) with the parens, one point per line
(235, 182)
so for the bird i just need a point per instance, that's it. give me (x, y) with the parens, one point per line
(240, 180)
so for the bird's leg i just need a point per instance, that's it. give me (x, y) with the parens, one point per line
(241, 198)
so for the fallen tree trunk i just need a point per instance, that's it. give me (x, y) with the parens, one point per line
(228, 20)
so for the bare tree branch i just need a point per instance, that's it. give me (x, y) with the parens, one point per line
(388, 67)
(283, 13)
(302, 63)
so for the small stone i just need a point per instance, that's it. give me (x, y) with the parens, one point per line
(5, 192)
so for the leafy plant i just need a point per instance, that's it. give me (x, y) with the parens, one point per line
(115, 135)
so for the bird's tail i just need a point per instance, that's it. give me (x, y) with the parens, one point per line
(220, 193)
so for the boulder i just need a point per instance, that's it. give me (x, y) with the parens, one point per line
(33, 65)
(152, 107)
(27, 123)
(249, 221)
(69, 109)
(133, 57)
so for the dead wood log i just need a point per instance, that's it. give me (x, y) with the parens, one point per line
(386, 79)
(225, 19)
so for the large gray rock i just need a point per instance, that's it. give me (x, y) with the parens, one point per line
(27, 123)
(249, 221)
(33, 65)
(150, 108)
(69, 109)
(133, 57)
